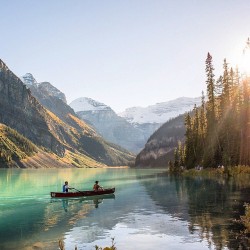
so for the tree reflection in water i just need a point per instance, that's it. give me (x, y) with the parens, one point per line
(210, 205)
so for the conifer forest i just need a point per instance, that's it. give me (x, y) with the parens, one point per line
(218, 132)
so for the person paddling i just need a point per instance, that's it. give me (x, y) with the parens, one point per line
(97, 187)
(66, 187)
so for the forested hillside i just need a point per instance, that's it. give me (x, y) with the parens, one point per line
(159, 149)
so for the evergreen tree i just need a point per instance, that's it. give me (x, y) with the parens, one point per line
(176, 160)
(219, 131)
(190, 154)
(211, 137)
(202, 126)
(210, 93)
(181, 152)
(245, 125)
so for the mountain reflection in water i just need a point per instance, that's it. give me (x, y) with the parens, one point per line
(149, 210)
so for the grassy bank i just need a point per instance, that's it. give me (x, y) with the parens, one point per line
(245, 219)
(213, 172)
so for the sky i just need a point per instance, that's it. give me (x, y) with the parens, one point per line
(123, 53)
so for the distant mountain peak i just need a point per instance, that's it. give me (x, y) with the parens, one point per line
(88, 104)
(29, 80)
(52, 90)
(160, 112)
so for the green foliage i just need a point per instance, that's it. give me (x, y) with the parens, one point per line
(179, 155)
(218, 132)
(245, 219)
(207, 172)
(237, 170)
(242, 173)
(210, 92)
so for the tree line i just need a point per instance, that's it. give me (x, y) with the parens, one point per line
(218, 132)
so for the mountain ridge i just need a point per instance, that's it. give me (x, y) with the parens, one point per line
(66, 137)
(109, 125)
(123, 128)
(160, 112)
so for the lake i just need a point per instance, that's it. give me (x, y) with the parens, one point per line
(150, 210)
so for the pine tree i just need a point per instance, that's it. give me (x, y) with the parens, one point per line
(219, 131)
(202, 127)
(211, 138)
(224, 123)
(245, 125)
(190, 154)
(210, 93)
(176, 160)
(181, 152)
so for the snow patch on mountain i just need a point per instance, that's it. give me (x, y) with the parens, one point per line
(87, 104)
(160, 112)
(29, 80)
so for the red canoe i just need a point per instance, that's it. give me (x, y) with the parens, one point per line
(82, 193)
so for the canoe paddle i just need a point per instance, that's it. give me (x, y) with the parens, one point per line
(77, 190)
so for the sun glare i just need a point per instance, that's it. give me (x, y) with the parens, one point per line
(240, 57)
(244, 65)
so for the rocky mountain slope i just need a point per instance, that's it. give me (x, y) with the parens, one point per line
(159, 148)
(68, 138)
(45, 88)
(108, 124)
(51, 98)
(131, 128)
(19, 152)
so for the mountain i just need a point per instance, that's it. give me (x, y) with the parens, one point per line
(108, 124)
(68, 139)
(151, 118)
(131, 128)
(44, 88)
(160, 112)
(19, 152)
(159, 148)
(51, 98)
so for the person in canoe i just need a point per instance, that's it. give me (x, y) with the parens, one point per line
(97, 187)
(66, 187)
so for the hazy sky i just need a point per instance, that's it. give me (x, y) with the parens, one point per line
(123, 53)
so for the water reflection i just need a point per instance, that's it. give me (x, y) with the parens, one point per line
(209, 205)
(149, 210)
(69, 202)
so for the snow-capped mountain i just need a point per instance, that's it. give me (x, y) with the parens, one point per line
(108, 124)
(160, 112)
(88, 104)
(131, 128)
(29, 80)
(45, 87)
(72, 134)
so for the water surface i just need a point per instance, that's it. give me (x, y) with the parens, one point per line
(150, 210)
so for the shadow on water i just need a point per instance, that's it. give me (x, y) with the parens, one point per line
(211, 206)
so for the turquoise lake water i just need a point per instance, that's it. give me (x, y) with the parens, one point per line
(150, 210)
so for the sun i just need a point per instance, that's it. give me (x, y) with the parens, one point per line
(240, 58)
(245, 60)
